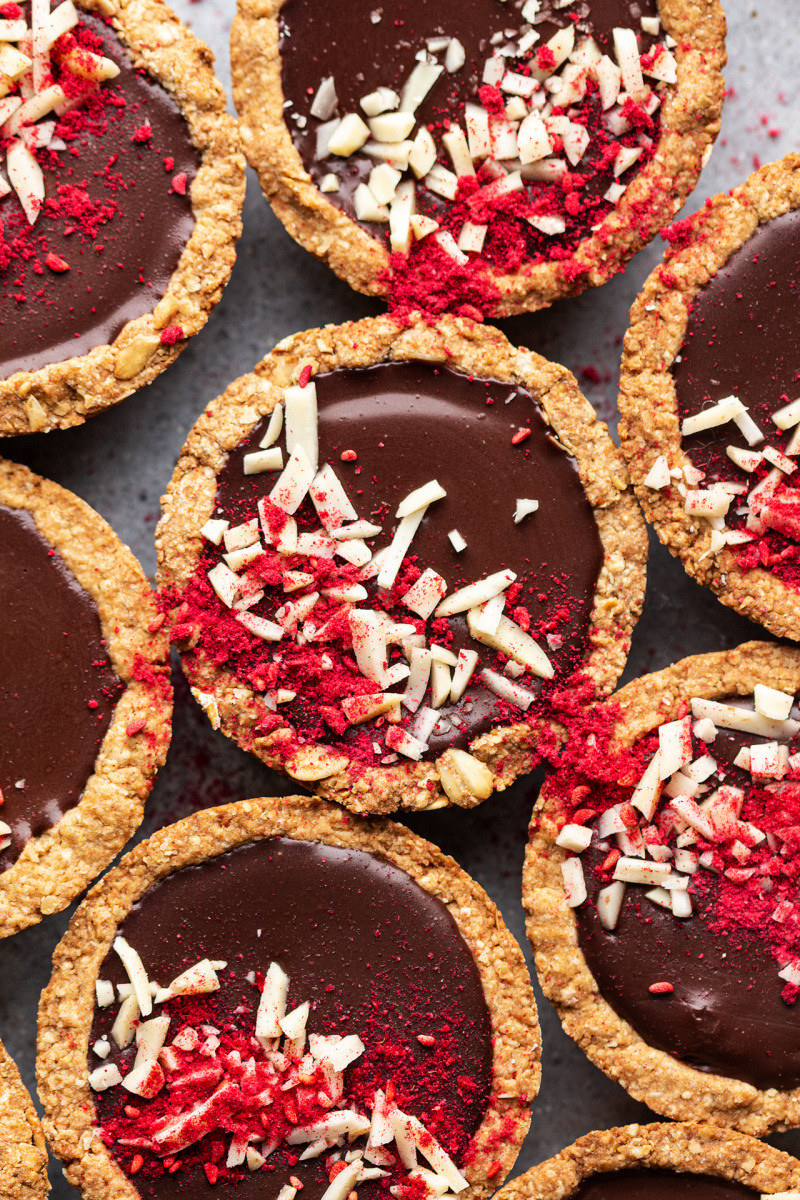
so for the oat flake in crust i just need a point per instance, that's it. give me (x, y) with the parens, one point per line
(686, 1146)
(464, 346)
(56, 866)
(670, 1087)
(67, 1004)
(690, 117)
(650, 426)
(23, 1152)
(66, 393)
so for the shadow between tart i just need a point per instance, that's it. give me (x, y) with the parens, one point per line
(666, 1084)
(508, 750)
(650, 426)
(65, 393)
(680, 1147)
(690, 122)
(55, 866)
(68, 1002)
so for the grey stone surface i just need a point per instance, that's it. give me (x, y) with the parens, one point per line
(121, 461)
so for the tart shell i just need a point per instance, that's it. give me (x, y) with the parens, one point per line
(66, 393)
(647, 400)
(685, 1147)
(23, 1151)
(667, 1085)
(508, 751)
(56, 866)
(67, 1004)
(690, 123)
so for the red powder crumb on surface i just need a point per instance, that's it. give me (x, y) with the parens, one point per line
(661, 989)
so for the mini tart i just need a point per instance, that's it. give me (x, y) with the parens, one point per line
(661, 1157)
(23, 1152)
(602, 516)
(251, 835)
(52, 850)
(520, 267)
(144, 330)
(664, 982)
(685, 352)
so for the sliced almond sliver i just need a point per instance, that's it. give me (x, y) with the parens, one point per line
(475, 594)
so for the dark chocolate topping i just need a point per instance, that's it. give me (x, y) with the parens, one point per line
(412, 422)
(58, 686)
(120, 262)
(743, 338)
(362, 55)
(725, 1014)
(660, 1185)
(374, 953)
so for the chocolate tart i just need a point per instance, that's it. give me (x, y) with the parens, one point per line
(23, 1151)
(135, 221)
(713, 339)
(410, 406)
(634, 1162)
(683, 991)
(386, 937)
(610, 177)
(87, 701)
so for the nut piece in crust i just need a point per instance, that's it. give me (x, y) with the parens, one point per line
(23, 1152)
(498, 167)
(125, 934)
(412, 665)
(120, 294)
(717, 1156)
(58, 841)
(707, 425)
(683, 891)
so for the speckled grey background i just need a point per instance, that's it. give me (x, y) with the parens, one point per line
(121, 461)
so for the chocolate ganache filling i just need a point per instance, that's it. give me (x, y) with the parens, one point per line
(114, 222)
(374, 954)
(379, 47)
(57, 684)
(743, 339)
(660, 1185)
(729, 1011)
(387, 430)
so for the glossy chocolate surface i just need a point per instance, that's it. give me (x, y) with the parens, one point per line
(374, 953)
(660, 1185)
(725, 1014)
(743, 338)
(318, 40)
(412, 422)
(121, 262)
(57, 684)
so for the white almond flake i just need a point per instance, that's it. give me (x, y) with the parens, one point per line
(729, 716)
(674, 746)
(367, 207)
(263, 460)
(551, 226)
(440, 683)
(748, 427)
(609, 903)
(508, 690)
(512, 641)
(533, 139)
(487, 617)
(301, 421)
(746, 460)
(369, 630)
(574, 837)
(472, 237)
(442, 182)
(663, 68)
(477, 122)
(423, 152)
(626, 157)
(770, 702)
(260, 627)
(272, 1005)
(325, 134)
(102, 1047)
(349, 136)
(136, 973)
(104, 991)
(419, 674)
(455, 56)
(634, 870)
(788, 415)
(396, 154)
(574, 882)
(383, 99)
(240, 536)
(627, 52)
(383, 181)
(651, 25)
(462, 673)
(225, 583)
(199, 979)
(712, 503)
(359, 709)
(393, 126)
(779, 460)
(455, 143)
(658, 476)
(293, 484)
(240, 558)
(423, 596)
(420, 82)
(26, 177)
(401, 213)
(405, 743)
(124, 1027)
(396, 551)
(475, 593)
(646, 793)
(105, 1077)
(324, 103)
(457, 541)
(343, 1183)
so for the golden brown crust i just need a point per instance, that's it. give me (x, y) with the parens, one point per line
(669, 1087)
(23, 1153)
(67, 1004)
(66, 393)
(690, 123)
(647, 400)
(699, 1149)
(476, 350)
(56, 866)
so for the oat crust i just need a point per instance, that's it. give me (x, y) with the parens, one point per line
(23, 1152)
(668, 1086)
(67, 1004)
(66, 393)
(476, 350)
(648, 402)
(56, 866)
(698, 1149)
(690, 123)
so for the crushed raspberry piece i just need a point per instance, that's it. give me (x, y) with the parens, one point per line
(56, 263)
(212, 1172)
(348, 456)
(520, 436)
(135, 726)
(790, 993)
(179, 183)
(661, 989)
(172, 334)
(143, 133)
(305, 375)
